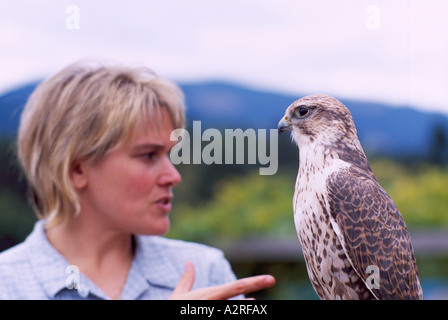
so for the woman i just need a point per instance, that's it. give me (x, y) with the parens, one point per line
(94, 144)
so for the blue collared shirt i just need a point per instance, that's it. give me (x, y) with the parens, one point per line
(35, 270)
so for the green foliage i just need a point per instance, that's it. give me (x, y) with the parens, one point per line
(16, 219)
(242, 206)
(419, 191)
(253, 205)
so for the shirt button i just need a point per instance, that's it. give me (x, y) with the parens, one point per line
(83, 292)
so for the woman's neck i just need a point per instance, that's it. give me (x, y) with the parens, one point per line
(103, 255)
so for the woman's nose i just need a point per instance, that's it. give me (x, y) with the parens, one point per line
(170, 176)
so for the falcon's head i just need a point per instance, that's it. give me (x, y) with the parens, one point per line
(318, 119)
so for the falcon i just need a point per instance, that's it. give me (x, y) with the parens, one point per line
(354, 239)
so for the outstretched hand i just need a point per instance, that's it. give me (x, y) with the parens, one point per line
(222, 292)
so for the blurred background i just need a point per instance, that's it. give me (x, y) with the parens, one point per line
(240, 64)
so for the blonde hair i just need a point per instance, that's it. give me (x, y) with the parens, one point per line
(83, 112)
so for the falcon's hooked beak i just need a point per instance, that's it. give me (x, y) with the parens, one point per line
(284, 125)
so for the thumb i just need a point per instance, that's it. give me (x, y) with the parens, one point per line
(186, 281)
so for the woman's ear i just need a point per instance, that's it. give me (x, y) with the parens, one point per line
(78, 175)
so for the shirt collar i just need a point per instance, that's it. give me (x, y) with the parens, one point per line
(51, 269)
(48, 264)
(154, 264)
(150, 266)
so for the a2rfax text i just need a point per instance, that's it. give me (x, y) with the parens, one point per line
(229, 309)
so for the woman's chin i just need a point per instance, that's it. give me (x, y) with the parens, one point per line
(159, 228)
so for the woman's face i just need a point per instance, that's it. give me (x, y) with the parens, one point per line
(130, 189)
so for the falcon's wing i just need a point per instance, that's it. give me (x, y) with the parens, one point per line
(373, 233)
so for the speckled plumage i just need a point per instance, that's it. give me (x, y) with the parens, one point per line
(345, 221)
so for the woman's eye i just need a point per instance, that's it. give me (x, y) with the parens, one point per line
(149, 155)
(302, 111)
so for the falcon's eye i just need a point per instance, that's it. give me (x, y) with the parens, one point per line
(302, 111)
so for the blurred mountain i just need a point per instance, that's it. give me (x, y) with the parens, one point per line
(11, 105)
(382, 129)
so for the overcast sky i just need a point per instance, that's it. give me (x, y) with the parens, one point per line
(389, 51)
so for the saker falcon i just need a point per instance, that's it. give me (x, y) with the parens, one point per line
(354, 240)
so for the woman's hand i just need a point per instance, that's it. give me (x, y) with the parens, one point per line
(221, 292)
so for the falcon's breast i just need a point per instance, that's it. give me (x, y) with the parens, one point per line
(330, 270)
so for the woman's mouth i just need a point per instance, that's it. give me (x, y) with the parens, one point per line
(164, 203)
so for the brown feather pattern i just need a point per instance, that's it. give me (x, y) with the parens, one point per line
(374, 233)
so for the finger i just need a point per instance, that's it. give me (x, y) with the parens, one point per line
(187, 279)
(242, 286)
